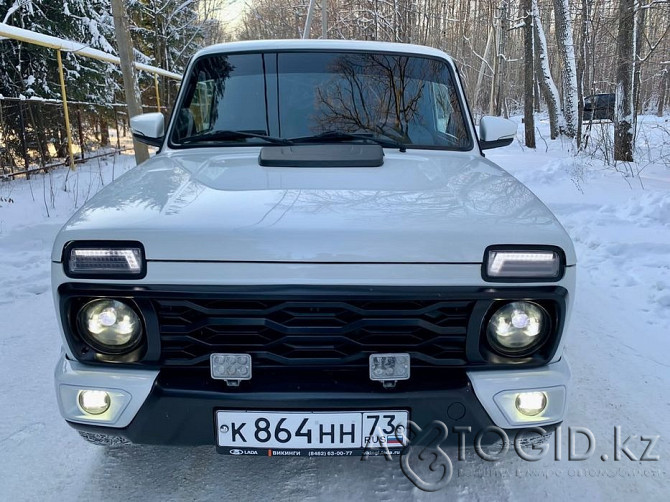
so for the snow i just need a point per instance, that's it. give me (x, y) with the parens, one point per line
(617, 347)
(11, 11)
(76, 48)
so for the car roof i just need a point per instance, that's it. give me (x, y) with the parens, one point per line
(330, 45)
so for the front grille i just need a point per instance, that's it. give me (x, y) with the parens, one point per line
(312, 331)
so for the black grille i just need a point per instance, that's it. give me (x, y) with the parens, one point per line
(336, 332)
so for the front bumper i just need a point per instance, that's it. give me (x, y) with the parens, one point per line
(177, 408)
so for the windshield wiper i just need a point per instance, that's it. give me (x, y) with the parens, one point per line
(337, 136)
(230, 135)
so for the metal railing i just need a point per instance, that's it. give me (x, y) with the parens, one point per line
(25, 131)
(33, 137)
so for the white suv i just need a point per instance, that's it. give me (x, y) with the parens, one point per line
(318, 259)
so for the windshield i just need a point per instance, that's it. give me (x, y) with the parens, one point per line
(263, 98)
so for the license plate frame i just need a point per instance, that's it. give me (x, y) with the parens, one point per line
(310, 433)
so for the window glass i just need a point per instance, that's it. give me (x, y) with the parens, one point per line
(291, 95)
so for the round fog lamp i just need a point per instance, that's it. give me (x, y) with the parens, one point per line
(94, 402)
(531, 403)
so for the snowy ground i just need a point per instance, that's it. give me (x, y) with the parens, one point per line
(618, 348)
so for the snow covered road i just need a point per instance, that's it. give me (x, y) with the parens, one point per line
(618, 346)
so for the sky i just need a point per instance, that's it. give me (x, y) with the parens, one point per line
(231, 12)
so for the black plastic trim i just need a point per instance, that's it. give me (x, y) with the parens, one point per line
(65, 258)
(523, 247)
(180, 410)
(322, 155)
(488, 145)
(479, 355)
(469, 114)
(149, 141)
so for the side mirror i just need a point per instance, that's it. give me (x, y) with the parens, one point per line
(495, 132)
(148, 128)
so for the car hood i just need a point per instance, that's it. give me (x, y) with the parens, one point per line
(419, 207)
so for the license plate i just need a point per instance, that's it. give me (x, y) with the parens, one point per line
(253, 432)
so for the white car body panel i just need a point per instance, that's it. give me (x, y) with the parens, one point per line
(419, 207)
(71, 376)
(496, 128)
(151, 125)
(552, 379)
(317, 45)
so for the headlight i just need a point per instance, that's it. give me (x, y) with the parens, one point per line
(100, 259)
(109, 326)
(517, 328)
(527, 264)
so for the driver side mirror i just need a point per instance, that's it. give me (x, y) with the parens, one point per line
(495, 132)
(148, 128)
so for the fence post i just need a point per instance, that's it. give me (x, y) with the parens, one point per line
(38, 131)
(82, 143)
(65, 108)
(158, 96)
(2, 132)
(24, 146)
(104, 128)
(118, 135)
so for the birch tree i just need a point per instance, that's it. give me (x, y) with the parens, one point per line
(529, 85)
(501, 61)
(661, 91)
(483, 66)
(566, 50)
(583, 65)
(547, 85)
(462, 28)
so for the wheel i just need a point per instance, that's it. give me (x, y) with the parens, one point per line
(104, 439)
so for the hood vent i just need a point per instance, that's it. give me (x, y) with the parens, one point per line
(331, 155)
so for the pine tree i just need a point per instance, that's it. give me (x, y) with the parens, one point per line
(31, 71)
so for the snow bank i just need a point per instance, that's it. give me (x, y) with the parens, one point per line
(31, 213)
(650, 208)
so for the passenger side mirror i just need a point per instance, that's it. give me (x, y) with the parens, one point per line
(148, 128)
(495, 132)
